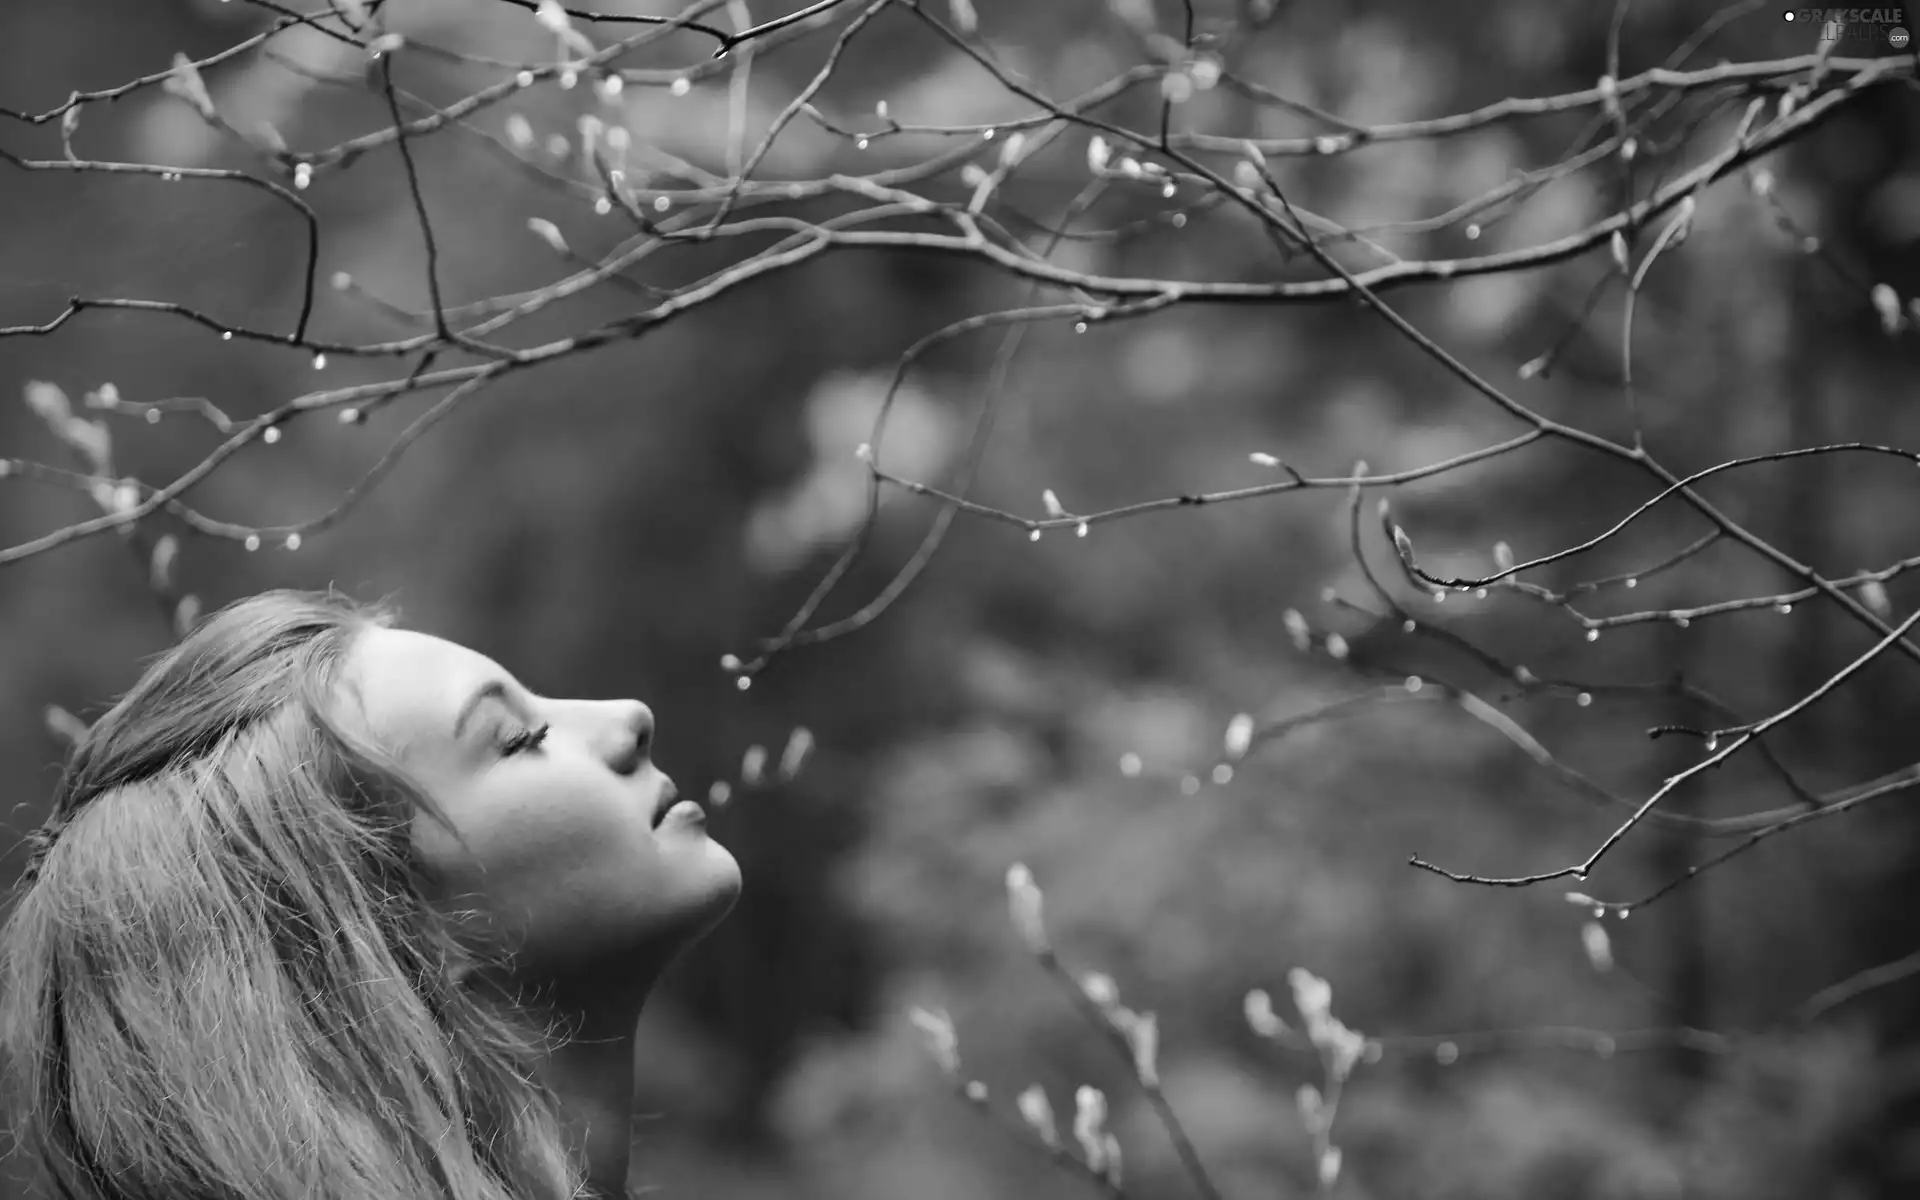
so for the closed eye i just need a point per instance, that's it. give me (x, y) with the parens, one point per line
(526, 739)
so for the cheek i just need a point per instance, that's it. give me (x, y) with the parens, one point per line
(509, 837)
(573, 870)
(518, 836)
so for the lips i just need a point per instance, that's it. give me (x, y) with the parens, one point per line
(663, 802)
(671, 805)
(684, 814)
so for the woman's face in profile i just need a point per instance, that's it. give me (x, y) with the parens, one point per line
(572, 840)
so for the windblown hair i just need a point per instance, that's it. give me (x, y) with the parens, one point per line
(224, 981)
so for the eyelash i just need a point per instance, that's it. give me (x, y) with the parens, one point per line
(526, 739)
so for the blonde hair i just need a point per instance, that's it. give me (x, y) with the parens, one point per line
(222, 975)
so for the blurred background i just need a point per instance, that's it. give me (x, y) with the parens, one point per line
(613, 524)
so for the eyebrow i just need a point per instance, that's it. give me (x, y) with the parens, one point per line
(493, 689)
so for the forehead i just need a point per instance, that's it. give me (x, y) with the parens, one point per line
(408, 686)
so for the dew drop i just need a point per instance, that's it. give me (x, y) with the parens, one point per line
(1179, 220)
(1583, 699)
(862, 144)
(272, 435)
(1169, 191)
(730, 663)
(681, 86)
(1473, 233)
(1480, 594)
(744, 682)
(1190, 785)
(293, 541)
(1409, 625)
(603, 206)
(153, 416)
(319, 362)
(1034, 536)
(349, 416)
(302, 176)
(1682, 622)
(1079, 326)
(252, 542)
(227, 336)
(524, 79)
(1446, 1054)
(1783, 608)
(990, 134)
(568, 78)
(661, 204)
(1223, 774)
(1415, 683)
(1082, 530)
(1593, 635)
(1633, 583)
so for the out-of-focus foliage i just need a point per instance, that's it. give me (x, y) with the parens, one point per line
(613, 524)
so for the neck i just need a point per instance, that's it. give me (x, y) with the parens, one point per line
(591, 1072)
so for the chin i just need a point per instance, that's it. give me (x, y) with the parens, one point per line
(705, 885)
(719, 890)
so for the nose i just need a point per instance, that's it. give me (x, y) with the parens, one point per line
(632, 743)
